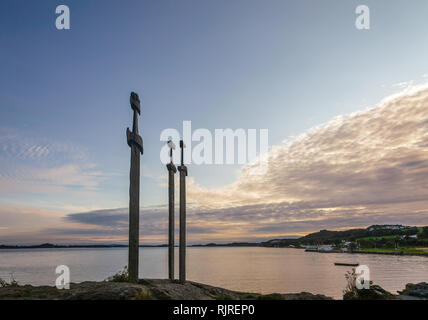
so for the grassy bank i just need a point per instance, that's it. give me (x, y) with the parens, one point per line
(399, 251)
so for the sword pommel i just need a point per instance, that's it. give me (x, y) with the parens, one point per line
(135, 102)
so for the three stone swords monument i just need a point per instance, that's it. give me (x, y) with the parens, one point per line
(136, 143)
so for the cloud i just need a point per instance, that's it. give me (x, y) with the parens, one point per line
(111, 218)
(22, 219)
(30, 164)
(404, 84)
(67, 178)
(22, 150)
(14, 145)
(369, 167)
(377, 155)
(355, 169)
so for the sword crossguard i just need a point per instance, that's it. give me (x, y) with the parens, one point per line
(171, 167)
(134, 139)
(183, 169)
(182, 146)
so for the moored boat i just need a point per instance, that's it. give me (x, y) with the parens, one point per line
(346, 264)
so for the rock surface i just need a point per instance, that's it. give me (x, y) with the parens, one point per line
(419, 290)
(143, 290)
(156, 289)
(375, 292)
(412, 291)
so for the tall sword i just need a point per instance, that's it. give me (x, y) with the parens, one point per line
(136, 143)
(182, 257)
(171, 172)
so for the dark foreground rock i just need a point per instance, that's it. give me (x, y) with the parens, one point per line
(154, 289)
(143, 290)
(374, 293)
(412, 291)
(419, 290)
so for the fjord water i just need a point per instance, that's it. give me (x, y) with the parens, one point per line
(250, 269)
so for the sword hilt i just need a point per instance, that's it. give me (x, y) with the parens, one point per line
(182, 167)
(132, 136)
(170, 165)
(171, 146)
(134, 139)
(182, 146)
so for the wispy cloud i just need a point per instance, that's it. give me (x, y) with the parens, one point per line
(19, 219)
(15, 145)
(403, 84)
(29, 164)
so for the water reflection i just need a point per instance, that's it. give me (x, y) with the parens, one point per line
(263, 270)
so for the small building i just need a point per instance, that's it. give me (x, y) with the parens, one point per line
(387, 227)
(347, 243)
(325, 247)
(310, 247)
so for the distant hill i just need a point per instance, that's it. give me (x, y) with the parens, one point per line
(327, 236)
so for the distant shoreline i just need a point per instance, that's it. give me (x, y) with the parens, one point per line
(210, 245)
(55, 246)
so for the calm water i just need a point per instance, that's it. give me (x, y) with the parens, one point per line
(263, 270)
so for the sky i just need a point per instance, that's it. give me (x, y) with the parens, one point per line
(345, 109)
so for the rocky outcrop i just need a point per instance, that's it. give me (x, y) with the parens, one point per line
(375, 292)
(143, 290)
(171, 290)
(419, 290)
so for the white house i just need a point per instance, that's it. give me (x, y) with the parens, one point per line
(309, 247)
(387, 227)
(325, 247)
